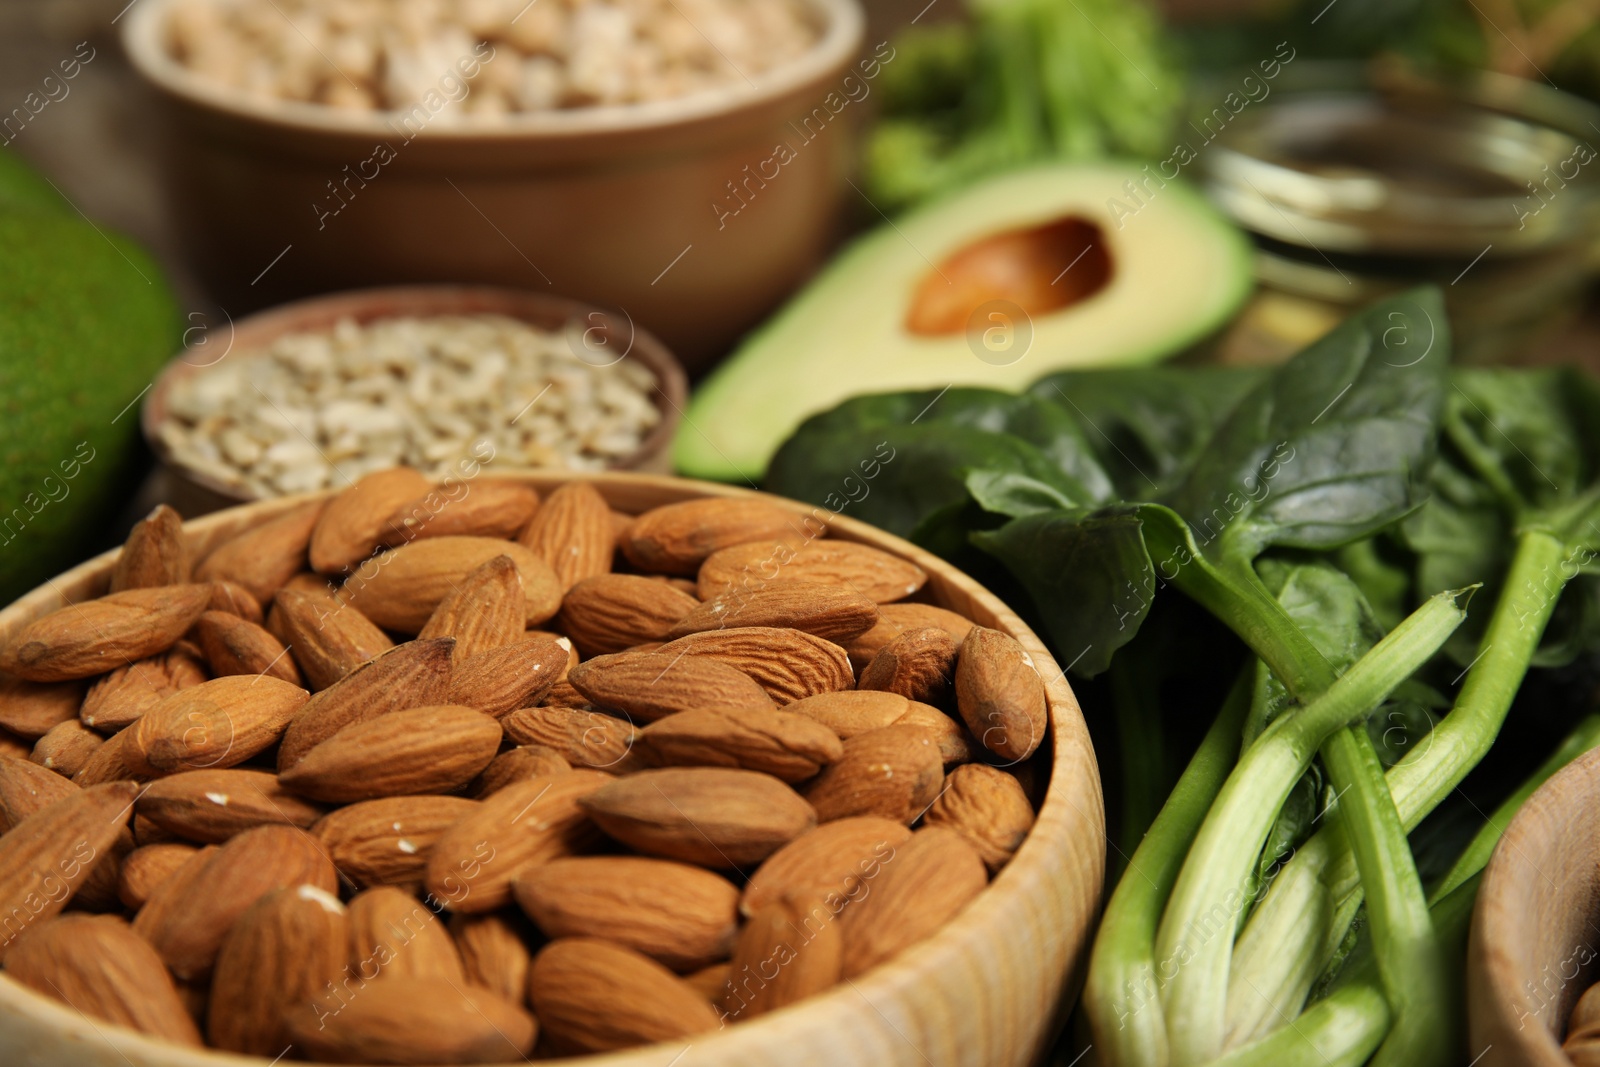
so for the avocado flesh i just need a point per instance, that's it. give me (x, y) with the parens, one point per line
(1178, 271)
(86, 321)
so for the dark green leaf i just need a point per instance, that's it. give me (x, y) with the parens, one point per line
(913, 472)
(1088, 574)
(1147, 425)
(1336, 444)
(1014, 494)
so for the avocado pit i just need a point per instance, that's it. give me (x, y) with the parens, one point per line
(1040, 268)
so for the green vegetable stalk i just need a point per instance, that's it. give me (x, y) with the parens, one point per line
(1217, 872)
(1121, 994)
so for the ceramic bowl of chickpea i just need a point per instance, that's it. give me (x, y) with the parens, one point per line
(678, 160)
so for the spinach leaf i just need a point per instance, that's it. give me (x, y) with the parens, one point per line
(1088, 573)
(1335, 445)
(925, 472)
(1147, 425)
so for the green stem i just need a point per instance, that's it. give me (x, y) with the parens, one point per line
(1410, 961)
(1198, 927)
(1307, 910)
(1476, 855)
(1120, 995)
(1140, 752)
(1343, 1028)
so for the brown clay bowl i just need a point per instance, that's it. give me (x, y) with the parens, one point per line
(1535, 943)
(614, 205)
(987, 990)
(196, 492)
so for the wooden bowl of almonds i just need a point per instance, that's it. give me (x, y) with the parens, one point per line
(1534, 954)
(317, 393)
(623, 767)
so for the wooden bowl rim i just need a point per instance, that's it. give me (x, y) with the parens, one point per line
(1072, 804)
(544, 310)
(843, 26)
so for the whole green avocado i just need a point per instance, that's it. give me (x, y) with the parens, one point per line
(86, 321)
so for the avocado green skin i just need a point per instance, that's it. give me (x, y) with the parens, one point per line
(81, 335)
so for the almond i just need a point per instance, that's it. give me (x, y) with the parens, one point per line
(399, 589)
(488, 610)
(681, 916)
(522, 762)
(31, 709)
(896, 619)
(620, 522)
(155, 553)
(433, 749)
(66, 748)
(862, 569)
(387, 841)
(582, 738)
(107, 764)
(474, 862)
(12, 745)
(833, 863)
(220, 723)
(119, 698)
(98, 966)
(356, 521)
(47, 856)
(788, 664)
(234, 599)
(711, 982)
(101, 635)
(563, 695)
(573, 533)
(955, 744)
(788, 950)
(919, 665)
(1000, 694)
(653, 685)
(188, 917)
(931, 878)
(849, 712)
(501, 680)
(235, 646)
(829, 612)
(26, 787)
(213, 805)
(611, 612)
(147, 868)
(494, 953)
(98, 891)
(328, 637)
(596, 996)
(265, 557)
(677, 538)
(146, 832)
(413, 1021)
(394, 935)
(787, 746)
(283, 951)
(489, 507)
(894, 772)
(707, 815)
(410, 675)
(987, 807)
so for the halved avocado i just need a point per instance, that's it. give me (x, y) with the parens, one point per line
(1066, 265)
